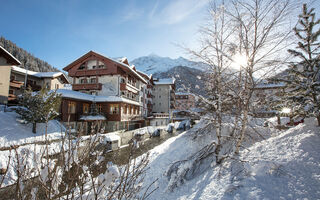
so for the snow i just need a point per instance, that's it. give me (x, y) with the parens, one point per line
(111, 137)
(92, 117)
(165, 81)
(269, 85)
(184, 93)
(152, 64)
(7, 52)
(286, 165)
(37, 74)
(87, 97)
(13, 132)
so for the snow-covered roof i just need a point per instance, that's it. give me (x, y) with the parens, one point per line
(38, 74)
(165, 81)
(10, 55)
(144, 74)
(269, 85)
(88, 97)
(92, 117)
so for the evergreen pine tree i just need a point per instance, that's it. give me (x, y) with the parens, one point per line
(38, 107)
(303, 81)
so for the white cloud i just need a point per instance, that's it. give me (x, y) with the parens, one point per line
(177, 11)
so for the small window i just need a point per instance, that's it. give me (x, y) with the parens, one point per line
(85, 109)
(114, 108)
(11, 92)
(84, 80)
(93, 80)
(99, 108)
(57, 86)
(82, 66)
(71, 107)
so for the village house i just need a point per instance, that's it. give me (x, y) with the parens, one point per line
(6, 62)
(263, 94)
(185, 101)
(14, 79)
(115, 87)
(163, 101)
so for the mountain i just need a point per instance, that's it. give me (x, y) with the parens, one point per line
(188, 79)
(26, 58)
(188, 74)
(152, 64)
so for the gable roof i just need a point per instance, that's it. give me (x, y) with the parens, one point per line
(39, 74)
(90, 53)
(10, 58)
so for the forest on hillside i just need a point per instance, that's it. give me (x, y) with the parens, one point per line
(26, 58)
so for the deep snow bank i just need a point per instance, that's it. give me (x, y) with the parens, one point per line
(284, 166)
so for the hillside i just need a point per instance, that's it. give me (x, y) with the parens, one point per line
(26, 59)
(283, 166)
(188, 74)
(187, 78)
(152, 63)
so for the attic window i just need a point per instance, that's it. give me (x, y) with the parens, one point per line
(82, 66)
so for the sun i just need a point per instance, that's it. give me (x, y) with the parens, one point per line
(238, 61)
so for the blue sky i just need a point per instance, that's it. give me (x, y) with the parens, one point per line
(60, 31)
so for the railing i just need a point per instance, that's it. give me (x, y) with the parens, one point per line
(87, 86)
(12, 97)
(16, 84)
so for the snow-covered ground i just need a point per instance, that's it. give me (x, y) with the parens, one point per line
(12, 132)
(286, 165)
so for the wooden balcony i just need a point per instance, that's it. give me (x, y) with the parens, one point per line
(87, 86)
(89, 72)
(126, 86)
(16, 84)
(12, 97)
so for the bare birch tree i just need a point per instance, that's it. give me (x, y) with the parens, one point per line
(242, 43)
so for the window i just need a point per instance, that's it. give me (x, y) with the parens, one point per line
(71, 107)
(159, 104)
(122, 80)
(93, 80)
(57, 86)
(125, 109)
(82, 66)
(85, 108)
(12, 77)
(84, 80)
(99, 108)
(11, 92)
(114, 108)
(159, 96)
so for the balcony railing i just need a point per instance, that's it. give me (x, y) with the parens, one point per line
(127, 86)
(12, 97)
(87, 86)
(16, 84)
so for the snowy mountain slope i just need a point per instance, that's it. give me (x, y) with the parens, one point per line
(189, 79)
(152, 63)
(285, 166)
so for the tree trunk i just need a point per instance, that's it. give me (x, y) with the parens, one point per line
(279, 120)
(318, 118)
(34, 127)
